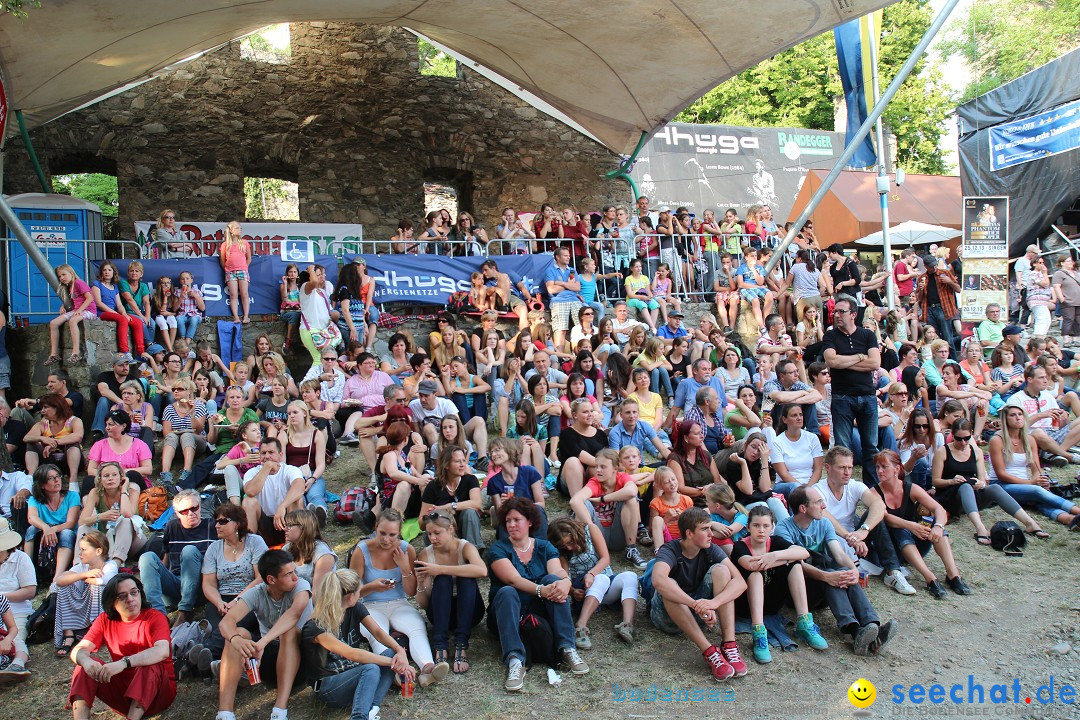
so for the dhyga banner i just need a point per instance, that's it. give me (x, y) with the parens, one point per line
(1032, 138)
(986, 256)
(432, 279)
(265, 238)
(722, 166)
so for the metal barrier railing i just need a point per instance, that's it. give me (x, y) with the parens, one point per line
(30, 295)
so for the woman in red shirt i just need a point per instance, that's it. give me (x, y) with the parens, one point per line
(140, 679)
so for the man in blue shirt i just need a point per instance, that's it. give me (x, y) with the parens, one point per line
(831, 575)
(563, 287)
(673, 329)
(632, 432)
(701, 376)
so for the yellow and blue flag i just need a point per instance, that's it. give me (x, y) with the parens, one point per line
(853, 41)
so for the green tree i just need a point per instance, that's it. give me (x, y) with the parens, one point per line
(18, 7)
(1002, 39)
(97, 188)
(797, 87)
(434, 61)
(271, 199)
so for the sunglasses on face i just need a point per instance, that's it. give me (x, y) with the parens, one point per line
(961, 438)
(921, 426)
(222, 521)
(189, 510)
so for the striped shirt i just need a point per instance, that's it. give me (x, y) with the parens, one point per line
(182, 423)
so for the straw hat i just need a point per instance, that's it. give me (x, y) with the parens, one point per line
(9, 539)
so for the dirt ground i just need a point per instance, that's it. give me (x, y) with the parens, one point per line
(1024, 614)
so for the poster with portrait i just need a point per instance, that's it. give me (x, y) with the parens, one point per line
(986, 256)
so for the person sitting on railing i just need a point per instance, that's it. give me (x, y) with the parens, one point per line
(172, 242)
(547, 226)
(110, 307)
(731, 231)
(576, 230)
(751, 282)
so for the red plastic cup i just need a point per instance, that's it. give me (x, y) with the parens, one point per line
(407, 688)
(251, 669)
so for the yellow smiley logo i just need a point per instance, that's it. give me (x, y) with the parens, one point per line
(862, 693)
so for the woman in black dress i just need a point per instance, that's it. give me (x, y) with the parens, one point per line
(578, 446)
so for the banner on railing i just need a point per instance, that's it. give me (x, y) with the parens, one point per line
(265, 273)
(421, 279)
(431, 279)
(266, 238)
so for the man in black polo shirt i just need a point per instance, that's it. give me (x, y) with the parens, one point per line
(852, 353)
(108, 390)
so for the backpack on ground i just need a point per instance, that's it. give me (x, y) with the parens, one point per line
(538, 640)
(152, 503)
(356, 507)
(1008, 537)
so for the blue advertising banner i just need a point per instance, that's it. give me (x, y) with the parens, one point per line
(1049, 133)
(265, 271)
(431, 279)
(421, 279)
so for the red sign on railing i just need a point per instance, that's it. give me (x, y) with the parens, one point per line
(3, 108)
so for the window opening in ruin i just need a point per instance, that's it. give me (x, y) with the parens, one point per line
(440, 196)
(434, 61)
(269, 45)
(271, 199)
(102, 189)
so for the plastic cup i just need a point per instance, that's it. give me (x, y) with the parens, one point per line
(864, 580)
(407, 688)
(251, 669)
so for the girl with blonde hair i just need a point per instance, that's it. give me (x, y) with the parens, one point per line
(235, 255)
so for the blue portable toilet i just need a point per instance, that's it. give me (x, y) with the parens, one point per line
(67, 229)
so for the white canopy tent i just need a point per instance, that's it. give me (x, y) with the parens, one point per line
(617, 70)
(911, 232)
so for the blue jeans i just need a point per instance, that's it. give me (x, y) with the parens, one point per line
(101, 411)
(316, 494)
(360, 687)
(1039, 498)
(886, 441)
(849, 605)
(64, 538)
(159, 581)
(446, 611)
(290, 317)
(660, 378)
(600, 310)
(846, 412)
(936, 317)
(186, 325)
(920, 474)
(230, 341)
(509, 604)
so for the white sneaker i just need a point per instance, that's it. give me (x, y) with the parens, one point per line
(896, 580)
(373, 713)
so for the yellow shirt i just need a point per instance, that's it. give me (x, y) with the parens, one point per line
(649, 411)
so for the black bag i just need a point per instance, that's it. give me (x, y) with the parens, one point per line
(40, 624)
(538, 639)
(1008, 537)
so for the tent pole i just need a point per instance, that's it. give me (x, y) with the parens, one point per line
(861, 133)
(9, 218)
(623, 171)
(31, 154)
(883, 173)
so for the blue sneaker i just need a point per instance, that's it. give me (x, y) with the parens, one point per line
(762, 653)
(808, 630)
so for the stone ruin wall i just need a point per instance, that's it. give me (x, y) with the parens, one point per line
(349, 118)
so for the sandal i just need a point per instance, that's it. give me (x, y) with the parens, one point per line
(441, 655)
(52, 360)
(74, 358)
(65, 646)
(1038, 533)
(982, 539)
(461, 662)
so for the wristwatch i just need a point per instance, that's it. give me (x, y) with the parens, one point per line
(453, 505)
(863, 527)
(127, 662)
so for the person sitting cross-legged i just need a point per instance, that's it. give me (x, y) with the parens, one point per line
(831, 575)
(694, 586)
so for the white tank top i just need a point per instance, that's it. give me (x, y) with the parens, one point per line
(1015, 464)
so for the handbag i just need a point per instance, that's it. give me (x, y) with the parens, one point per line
(330, 336)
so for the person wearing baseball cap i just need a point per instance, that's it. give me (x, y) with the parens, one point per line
(18, 578)
(429, 410)
(1012, 338)
(108, 385)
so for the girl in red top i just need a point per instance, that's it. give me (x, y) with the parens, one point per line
(139, 680)
(235, 254)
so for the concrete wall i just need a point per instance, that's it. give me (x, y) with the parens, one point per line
(350, 119)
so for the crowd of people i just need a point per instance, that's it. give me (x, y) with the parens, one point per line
(708, 475)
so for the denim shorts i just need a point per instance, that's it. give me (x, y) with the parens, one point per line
(658, 613)
(903, 536)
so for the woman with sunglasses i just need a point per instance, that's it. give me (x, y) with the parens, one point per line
(897, 410)
(917, 445)
(1014, 465)
(133, 402)
(447, 572)
(913, 533)
(140, 680)
(386, 563)
(961, 486)
(229, 567)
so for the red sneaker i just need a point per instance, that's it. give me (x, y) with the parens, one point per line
(718, 666)
(730, 649)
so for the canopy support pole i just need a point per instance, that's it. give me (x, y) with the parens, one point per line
(623, 171)
(31, 154)
(883, 172)
(864, 129)
(9, 218)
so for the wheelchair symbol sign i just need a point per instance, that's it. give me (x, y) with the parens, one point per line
(297, 251)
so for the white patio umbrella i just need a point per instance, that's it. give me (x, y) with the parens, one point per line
(911, 232)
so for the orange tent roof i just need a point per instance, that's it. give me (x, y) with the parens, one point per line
(851, 210)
